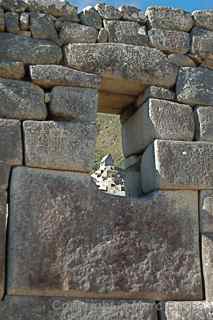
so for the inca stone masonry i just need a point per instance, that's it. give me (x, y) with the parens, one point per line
(67, 250)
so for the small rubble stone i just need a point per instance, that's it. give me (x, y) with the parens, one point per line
(21, 100)
(2, 20)
(127, 32)
(53, 75)
(131, 13)
(60, 145)
(190, 310)
(4, 175)
(74, 103)
(155, 92)
(77, 33)
(181, 60)
(108, 12)
(10, 142)
(177, 165)
(12, 22)
(207, 259)
(170, 41)
(206, 211)
(170, 19)
(12, 70)
(24, 21)
(203, 18)
(42, 27)
(204, 123)
(3, 226)
(103, 36)
(90, 17)
(195, 86)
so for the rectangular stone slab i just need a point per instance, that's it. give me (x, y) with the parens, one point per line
(196, 310)
(66, 238)
(3, 219)
(40, 308)
(207, 259)
(206, 211)
(177, 165)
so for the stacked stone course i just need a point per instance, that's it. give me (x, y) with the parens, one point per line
(68, 250)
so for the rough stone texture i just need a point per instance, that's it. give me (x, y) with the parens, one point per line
(52, 75)
(207, 259)
(196, 310)
(181, 60)
(90, 17)
(206, 211)
(108, 12)
(177, 165)
(204, 123)
(147, 65)
(203, 18)
(97, 245)
(127, 32)
(74, 103)
(170, 41)
(155, 92)
(21, 100)
(170, 19)
(59, 145)
(131, 13)
(157, 119)
(4, 175)
(195, 86)
(103, 36)
(42, 27)
(132, 177)
(202, 45)
(3, 222)
(12, 22)
(12, 70)
(24, 21)
(10, 142)
(2, 20)
(77, 33)
(37, 308)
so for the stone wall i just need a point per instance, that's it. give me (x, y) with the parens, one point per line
(67, 250)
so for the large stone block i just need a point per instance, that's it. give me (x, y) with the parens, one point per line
(60, 145)
(207, 260)
(132, 177)
(77, 33)
(12, 70)
(3, 223)
(131, 13)
(147, 65)
(177, 165)
(10, 142)
(155, 92)
(203, 18)
(43, 27)
(170, 41)
(90, 17)
(67, 238)
(2, 20)
(37, 308)
(4, 175)
(12, 22)
(53, 75)
(195, 310)
(21, 100)
(206, 211)
(195, 86)
(28, 50)
(157, 119)
(74, 103)
(108, 12)
(204, 123)
(202, 44)
(170, 19)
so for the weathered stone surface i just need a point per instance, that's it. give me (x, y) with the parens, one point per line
(207, 259)
(177, 165)
(181, 60)
(170, 19)
(132, 177)
(28, 50)
(202, 44)
(3, 214)
(53, 75)
(37, 308)
(203, 18)
(24, 21)
(97, 245)
(127, 32)
(155, 92)
(12, 22)
(12, 70)
(146, 65)
(60, 145)
(170, 41)
(90, 17)
(77, 33)
(74, 103)
(2, 20)
(157, 119)
(108, 12)
(103, 36)
(196, 310)
(206, 211)
(21, 100)
(10, 142)
(4, 175)
(42, 27)
(204, 123)
(195, 86)
(131, 13)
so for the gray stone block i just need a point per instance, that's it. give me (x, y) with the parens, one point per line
(53, 75)
(206, 211)
(4, 175)
(97, 245)
(203, 18)
(177, 165)
(207, 260)
(37, 308)
(170, 19)
(74, 104)
(132, 177)
(60, 145)
(103, 36)
(3, 224)
(157, 119)
(90, 17)
(131, 13)
(21, 100)
(10, 142)
(28, 50)
(170, 41)
(108, 12)
(204, 123)
(195, 86)
(2, 20)
(148, 65)
(77, 33)
(181, 60)
(155, 92)
(42, 27)
(189, 310)
(12, 70)
(12, 22)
